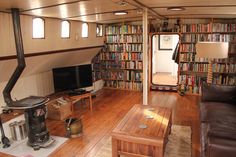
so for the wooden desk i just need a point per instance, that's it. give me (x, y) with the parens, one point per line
(130, 140)
(76, 98)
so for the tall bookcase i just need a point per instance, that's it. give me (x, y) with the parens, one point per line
(121, 62)
(96, 67)
(193, 70)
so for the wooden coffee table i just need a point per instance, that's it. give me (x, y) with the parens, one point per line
(130, 140)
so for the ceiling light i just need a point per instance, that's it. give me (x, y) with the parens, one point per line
(118, 13)
(176, 8)
(122, 2)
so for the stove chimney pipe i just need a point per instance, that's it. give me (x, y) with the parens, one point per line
(20, 57)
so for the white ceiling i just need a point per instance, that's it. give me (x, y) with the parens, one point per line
(102, 10)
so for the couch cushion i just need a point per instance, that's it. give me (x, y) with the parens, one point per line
(219, 147)
(219, 93)
(224, 129)
(212, 111)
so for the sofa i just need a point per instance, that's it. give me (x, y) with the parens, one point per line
(218, 121)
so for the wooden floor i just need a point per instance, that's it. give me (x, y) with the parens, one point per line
(164, 78)
(109, 108)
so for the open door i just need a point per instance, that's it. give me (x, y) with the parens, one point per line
(164, 69)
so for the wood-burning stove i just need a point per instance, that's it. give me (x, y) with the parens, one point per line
(34, 106)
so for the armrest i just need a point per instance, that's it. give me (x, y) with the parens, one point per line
(218, 93)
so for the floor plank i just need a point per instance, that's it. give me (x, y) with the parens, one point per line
(109, 107)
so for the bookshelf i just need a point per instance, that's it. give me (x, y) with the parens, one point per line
(121, 62)
(192, 70)
(96, 68)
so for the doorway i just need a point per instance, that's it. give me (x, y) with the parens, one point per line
(164, 67)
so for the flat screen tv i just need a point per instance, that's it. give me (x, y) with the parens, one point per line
(71, 78)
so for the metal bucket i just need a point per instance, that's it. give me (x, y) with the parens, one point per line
(18, 130)
(74, 127)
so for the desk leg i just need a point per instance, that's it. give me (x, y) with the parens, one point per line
(114, 148)
(90, 103)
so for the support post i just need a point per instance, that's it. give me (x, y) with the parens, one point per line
(145, 56)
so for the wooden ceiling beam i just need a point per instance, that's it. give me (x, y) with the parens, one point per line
(99, 13)
(140, 5)
(54, 5)
(195, 6)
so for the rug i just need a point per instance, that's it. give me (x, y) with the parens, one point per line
(179, 143)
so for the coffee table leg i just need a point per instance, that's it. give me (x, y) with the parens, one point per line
(114, 148)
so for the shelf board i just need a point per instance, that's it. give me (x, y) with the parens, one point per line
(115, 34)
(137, 90)
(194, 62)
(125, 51)
(208, 32)
(124, 43)
(105, 79)
(188, 42)
(121, 60)
(121, 69)
(188, 52)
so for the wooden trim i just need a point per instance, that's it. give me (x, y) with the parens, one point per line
(195, 6)
(49, 52)
(108, 12)
(185, 16)
(151, 49)
(55, 5)
(150, 9)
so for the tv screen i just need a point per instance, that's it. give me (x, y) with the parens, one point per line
(71, 78)
(85, 76)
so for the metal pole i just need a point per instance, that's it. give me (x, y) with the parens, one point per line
(145, 56)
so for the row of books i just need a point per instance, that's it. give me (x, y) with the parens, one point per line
(210, 27)
(191, 57)
(187, 48)
(121, 56)
(96, 76)
(187, 57)
(124, 85)
(224, 79)
(192, 83)
(224, 27)
(95, 66)
(201, 67)
(125, 75)
(133, 65)
(232, 68)
(124, 29)
(196, 28)
(124, 39)
(206, 37)
(125, 47)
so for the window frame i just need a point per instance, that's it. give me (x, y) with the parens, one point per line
(82, 30)
(98, 24)
(69, 29)
(43, 28)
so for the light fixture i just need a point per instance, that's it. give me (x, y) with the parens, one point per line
(211, 50)
(175, 8)
(119, 13)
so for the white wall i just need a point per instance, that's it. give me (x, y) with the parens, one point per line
(162, 59)
(37, 77)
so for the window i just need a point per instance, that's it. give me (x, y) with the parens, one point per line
(38, 28)
(84, 30)
(99, 30)
(65, 29)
